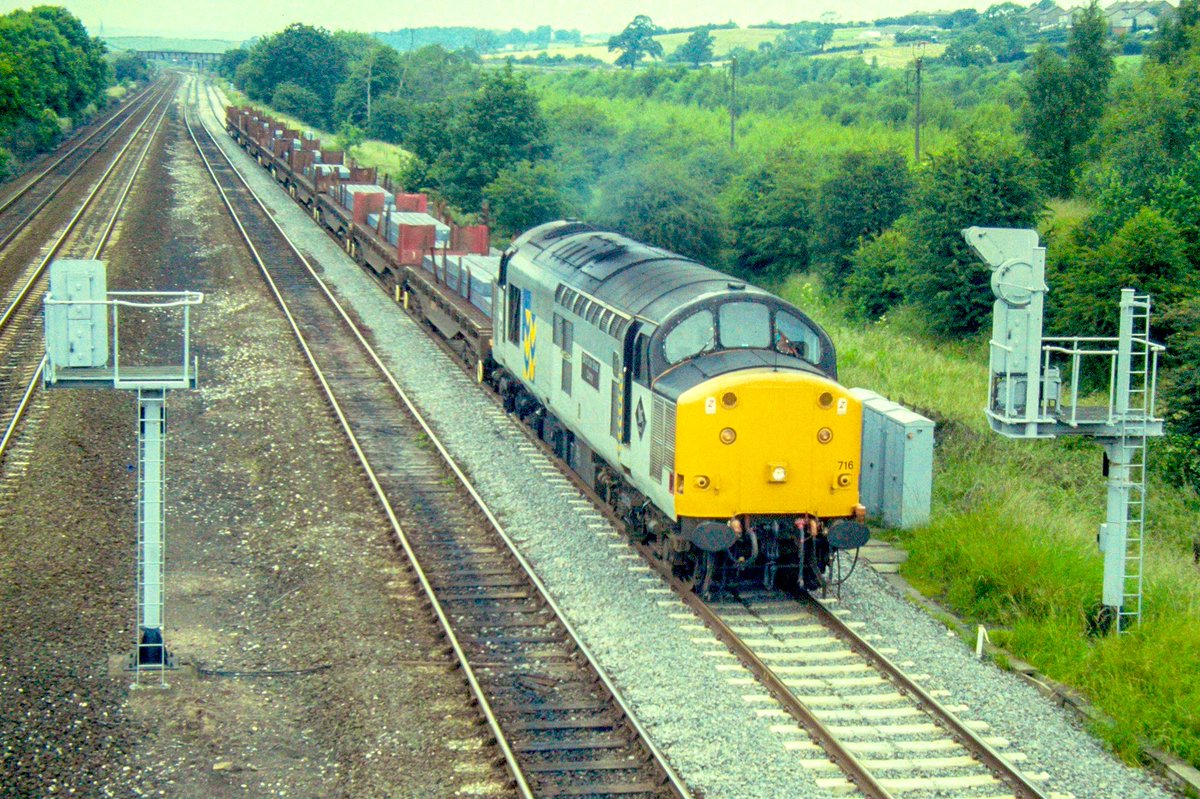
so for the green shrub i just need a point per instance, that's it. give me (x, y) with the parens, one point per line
(298, 101)
(873, 285)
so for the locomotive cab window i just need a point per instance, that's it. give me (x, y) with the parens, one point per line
(795, 337)
(514, 314)
(744, 325)
(694, 335)
(641, 359)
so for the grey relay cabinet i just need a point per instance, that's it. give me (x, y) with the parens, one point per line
(896, 478)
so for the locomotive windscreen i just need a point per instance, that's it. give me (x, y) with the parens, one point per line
(741, 324)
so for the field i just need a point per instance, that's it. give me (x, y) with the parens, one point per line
(1011, 542)
(723, 42)
(882, 48)
(879, 45)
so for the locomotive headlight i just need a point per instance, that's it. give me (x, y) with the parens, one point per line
(825, 400)
(778, 474)
(729, 399)
(728, 435)
(824, 435)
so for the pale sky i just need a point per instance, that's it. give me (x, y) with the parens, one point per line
(239, 19)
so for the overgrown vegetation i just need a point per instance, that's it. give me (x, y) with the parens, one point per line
(52, 75)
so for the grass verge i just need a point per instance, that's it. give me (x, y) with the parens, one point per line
(1011, 540)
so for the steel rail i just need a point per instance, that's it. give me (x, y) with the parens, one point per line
(29, 217)
(83, 208)
(133, 103)
(11, 430)
(850, 765)
(675, 782)
(482, 505)
(447, 628)
(137, 168)
(854, 769)
(1013, 779)
(27, 396)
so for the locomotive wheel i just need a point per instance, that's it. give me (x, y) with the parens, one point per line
(704, 568)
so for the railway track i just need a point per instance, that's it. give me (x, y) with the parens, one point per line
(866, 717)
(556, 718)
(86, 235)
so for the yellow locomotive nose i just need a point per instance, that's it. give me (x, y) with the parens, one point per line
(768, 442)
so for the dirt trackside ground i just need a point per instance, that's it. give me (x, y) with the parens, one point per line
(310, 668)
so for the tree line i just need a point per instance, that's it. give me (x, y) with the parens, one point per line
(1122, 148)
(465, 126)
(52, 73)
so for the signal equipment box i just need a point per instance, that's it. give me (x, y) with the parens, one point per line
(77, 332)
(896, 478)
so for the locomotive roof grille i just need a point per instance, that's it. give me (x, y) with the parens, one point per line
(633, 279)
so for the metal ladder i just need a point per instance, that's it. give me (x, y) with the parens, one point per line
(1136, 412)
(150, 651)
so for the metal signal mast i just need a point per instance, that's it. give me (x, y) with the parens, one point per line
(1026, 397)
(83, 352)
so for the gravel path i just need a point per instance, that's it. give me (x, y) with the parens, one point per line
(707, 727)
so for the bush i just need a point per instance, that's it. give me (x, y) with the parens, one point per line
(525, 195)
(866, 193)
(349, 135)
(299, 102)
(981, 180)
(873, 284)
(770, 220)
(1178, 456)
(660, 204)
(130, 67)
(1181, 386)
(1147, 253)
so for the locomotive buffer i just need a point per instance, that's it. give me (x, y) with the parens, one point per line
(82, 352)
(1026, 397)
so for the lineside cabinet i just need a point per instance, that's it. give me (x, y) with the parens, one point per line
(896, 479)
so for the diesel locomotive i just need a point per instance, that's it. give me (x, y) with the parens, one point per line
(705, 410)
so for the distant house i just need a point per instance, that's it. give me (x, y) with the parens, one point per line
(1049, 19)
(1131, 16)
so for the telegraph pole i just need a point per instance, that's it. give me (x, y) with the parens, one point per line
(919, 60)
(733, 103)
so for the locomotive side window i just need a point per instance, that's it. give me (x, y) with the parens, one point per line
(567, 337)
(745, 324)
(794, 337)
(641, 359)
(693, 335)
(514, 314)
